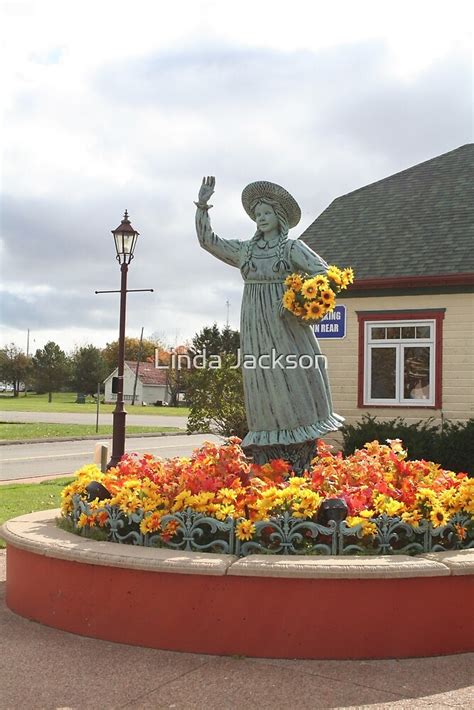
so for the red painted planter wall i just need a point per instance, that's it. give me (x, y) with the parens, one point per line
(251, 616)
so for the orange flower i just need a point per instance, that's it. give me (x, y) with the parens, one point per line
(102, 518)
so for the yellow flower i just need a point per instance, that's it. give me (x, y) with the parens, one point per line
(334, 273)
(307, 505)
(151, 523)
(297, 481)
(393, 507)
(368, 528)
(245, 530)
(328, 296)
(322, 282)
(202, 502)
(438, 517)
(347, 277)
(466, 495)
(426, 496)
(449, 499)
(181, 501)
(270, 493)
(397, 447)
(289, 299)
(297, 283)
(412, 517)
(310, 288)
(390, 506)
(223, 512)
(314, 310)
(294, 281)
(353, 520)
(132, 483)
(226, 495)
(82, 522)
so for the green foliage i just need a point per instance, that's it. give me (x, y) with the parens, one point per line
(215, 341)
(88, 368)
(50, 369)
(450, 444)
(15, 367)
(216, 395)
(216, 398)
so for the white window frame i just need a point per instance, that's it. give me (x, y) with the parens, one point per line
(399, 344)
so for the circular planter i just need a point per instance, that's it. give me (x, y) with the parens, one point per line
(261, 605)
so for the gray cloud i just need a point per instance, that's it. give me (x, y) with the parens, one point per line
(320, 123)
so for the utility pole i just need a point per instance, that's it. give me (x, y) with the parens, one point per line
(227, 303)
(27, 355)
(140, 348)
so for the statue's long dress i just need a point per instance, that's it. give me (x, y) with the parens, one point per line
(284, 407)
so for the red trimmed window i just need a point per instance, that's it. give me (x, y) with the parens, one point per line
(400, 358)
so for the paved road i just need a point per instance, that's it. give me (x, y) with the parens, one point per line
(89, 418)
(60, 458)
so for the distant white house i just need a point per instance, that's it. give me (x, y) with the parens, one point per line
(152, 384)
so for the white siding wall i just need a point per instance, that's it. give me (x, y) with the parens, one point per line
(128, 382)
(458, 357)
(152, 393)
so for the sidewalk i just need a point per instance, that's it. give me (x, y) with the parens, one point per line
(42, 668)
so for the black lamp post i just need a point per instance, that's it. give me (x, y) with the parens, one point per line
(125, 241)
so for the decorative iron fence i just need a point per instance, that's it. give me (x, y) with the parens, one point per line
(282, 535)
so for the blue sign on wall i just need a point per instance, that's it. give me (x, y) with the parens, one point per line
(333, 325)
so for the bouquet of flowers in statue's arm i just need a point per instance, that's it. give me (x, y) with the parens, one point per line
(310, 298)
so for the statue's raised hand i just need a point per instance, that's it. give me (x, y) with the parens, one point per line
(206, 190)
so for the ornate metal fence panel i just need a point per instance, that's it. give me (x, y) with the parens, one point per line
(285, 535)
(280, 535)
(198, 533)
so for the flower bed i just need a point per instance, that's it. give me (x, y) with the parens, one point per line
(218, 501)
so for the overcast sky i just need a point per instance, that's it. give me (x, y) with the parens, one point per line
(126, 105)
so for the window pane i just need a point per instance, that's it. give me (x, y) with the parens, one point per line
(393, 332)
(423, 331)
(378, 333)
(416, 373)
(408, 332)
(383, 381)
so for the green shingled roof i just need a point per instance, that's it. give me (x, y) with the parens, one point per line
(417, 222)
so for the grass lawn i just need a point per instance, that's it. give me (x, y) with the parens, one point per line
(65, 402)
(24, 432)
(20, 498)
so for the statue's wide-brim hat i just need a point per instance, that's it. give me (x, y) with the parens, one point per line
(262, 190)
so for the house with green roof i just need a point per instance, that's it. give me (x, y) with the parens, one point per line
(405, 342)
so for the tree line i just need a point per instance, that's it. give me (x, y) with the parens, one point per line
(51, 369)
(215, 396)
